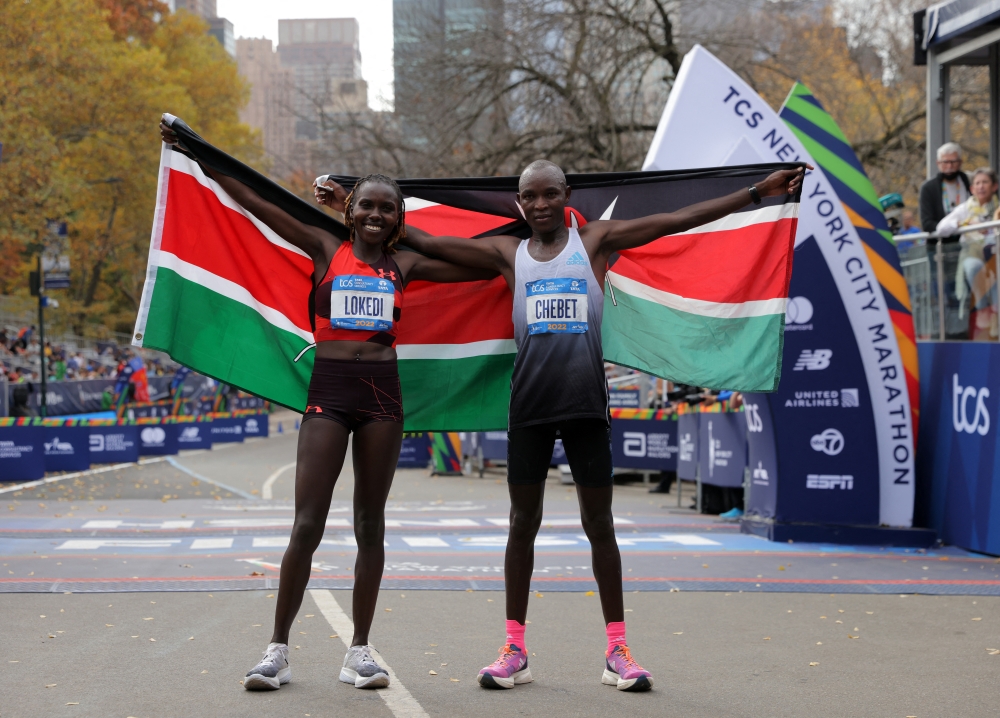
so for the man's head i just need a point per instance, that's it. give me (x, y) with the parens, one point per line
(949, 160)
(543, 194)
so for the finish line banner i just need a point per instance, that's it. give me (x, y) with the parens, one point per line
(848, 393)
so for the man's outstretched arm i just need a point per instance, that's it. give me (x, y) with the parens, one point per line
(626, 234)
(483, 253)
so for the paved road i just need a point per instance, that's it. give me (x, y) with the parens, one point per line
(117, 539)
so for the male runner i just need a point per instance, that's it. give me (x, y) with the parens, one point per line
(558, 384)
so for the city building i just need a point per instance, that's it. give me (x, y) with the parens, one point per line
(325, 57)
(270, 106)
(219, 27)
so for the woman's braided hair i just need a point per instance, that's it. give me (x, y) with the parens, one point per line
(399, 231)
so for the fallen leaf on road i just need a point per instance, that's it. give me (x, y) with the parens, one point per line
(704, 565)
(72, 704)
(388, 610)
(993, 651)
(310, 615)
(335, 636)
(110, 625)
(191, 639)
(870, 613)
(444, 664)
(781, 568)
(255, 625)
(51, 685)
(153, 640)
(433, 673)
(814, 663)
(679, 633)
(767, 638)
(429, 653)
(148, 619)
(205, 671)
(51, 636)
(302, 633)
(840, 610)
(589, 593)
(977, 619)
(134, 636)
(453, 680)
(257, 573)
(270, 595)
(850, 636)
(819, 643)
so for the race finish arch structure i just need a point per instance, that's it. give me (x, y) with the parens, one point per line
(831, 453)
(957, 32)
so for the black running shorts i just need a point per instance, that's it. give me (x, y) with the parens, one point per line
(354, 393)
(588, 449)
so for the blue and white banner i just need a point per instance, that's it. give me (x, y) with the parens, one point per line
(255, 425)
(194, 435)
(958, 464)
(66, 448)
(157, 439)
(644, 444)
(227, 430)
(21, 453)
(836, 305)
(722, 449)
(688, 429)
(114, 444)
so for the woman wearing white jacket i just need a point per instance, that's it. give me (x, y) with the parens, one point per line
(976, 271)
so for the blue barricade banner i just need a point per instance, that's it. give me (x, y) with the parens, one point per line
(66, 448)
(762, 457)
(493, 444)
(21, 453)
(722, 449)
(255, 425)
(157, 439)
(225, 428)
(194, 435)
(623, 398)
(958, 465)
(114, 444)
(644, 444)
(687, 445)
(415, 452)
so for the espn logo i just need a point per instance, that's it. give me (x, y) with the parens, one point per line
(813, 359)
(829, 481)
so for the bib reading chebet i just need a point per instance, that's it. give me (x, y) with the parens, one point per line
(556, 306)
(360, 302)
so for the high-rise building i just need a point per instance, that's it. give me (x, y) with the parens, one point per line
(270, 106)
(219, 27)
(325, 57)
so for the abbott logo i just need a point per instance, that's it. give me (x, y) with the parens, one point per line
(960, 397)
(97, 442)
(829, 481)
(813, 359)
(830, 442)
(754, 423)
(153, 435)
(635, 443)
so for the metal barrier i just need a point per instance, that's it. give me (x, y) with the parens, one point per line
(953, 291)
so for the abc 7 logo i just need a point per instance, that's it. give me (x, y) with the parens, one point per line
(829, 441)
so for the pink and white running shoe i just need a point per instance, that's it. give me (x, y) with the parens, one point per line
(509, 670)
(622, 671)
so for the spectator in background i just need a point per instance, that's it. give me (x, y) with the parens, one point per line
(946, 190)
(976, 271)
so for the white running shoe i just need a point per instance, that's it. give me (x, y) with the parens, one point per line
(271, 672)
(362, 670)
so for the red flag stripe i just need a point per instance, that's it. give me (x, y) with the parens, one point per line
(456, 313)
(440, 219)
(281, 280)
(732, 266)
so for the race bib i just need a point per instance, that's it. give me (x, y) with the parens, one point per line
(360, 302)
(557, 306)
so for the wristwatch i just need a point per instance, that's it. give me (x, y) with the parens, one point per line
(754, 194)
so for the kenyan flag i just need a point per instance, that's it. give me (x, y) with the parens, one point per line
(227, 297)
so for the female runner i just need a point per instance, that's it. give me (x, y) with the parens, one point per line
(354, 387)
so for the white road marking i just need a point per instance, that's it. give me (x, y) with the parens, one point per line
(282, 541)
(397, 698)
(93, 544)
(505, 522)
(117, 523)
(212, 543)
(180, 467)
(425, 542)
(439, 523)
(267, 523)
(266, 490)
(75, 474)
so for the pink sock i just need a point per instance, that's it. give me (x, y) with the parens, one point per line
(616, 635)
(515, 634)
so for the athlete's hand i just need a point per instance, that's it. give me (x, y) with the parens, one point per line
(782, 182)
(167, 134)
(329, 193)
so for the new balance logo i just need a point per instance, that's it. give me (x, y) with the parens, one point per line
(813, 359)
(577, 260)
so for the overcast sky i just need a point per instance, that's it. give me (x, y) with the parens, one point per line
(259, 18)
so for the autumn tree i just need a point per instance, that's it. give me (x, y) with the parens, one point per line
(82, 87)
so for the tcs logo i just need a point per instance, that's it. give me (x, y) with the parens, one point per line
(960, 398)
(754, 423)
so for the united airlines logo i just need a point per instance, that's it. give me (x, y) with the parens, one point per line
(577, 260)
(813, 360)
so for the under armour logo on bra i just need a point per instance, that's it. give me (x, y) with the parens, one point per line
(392, 274)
